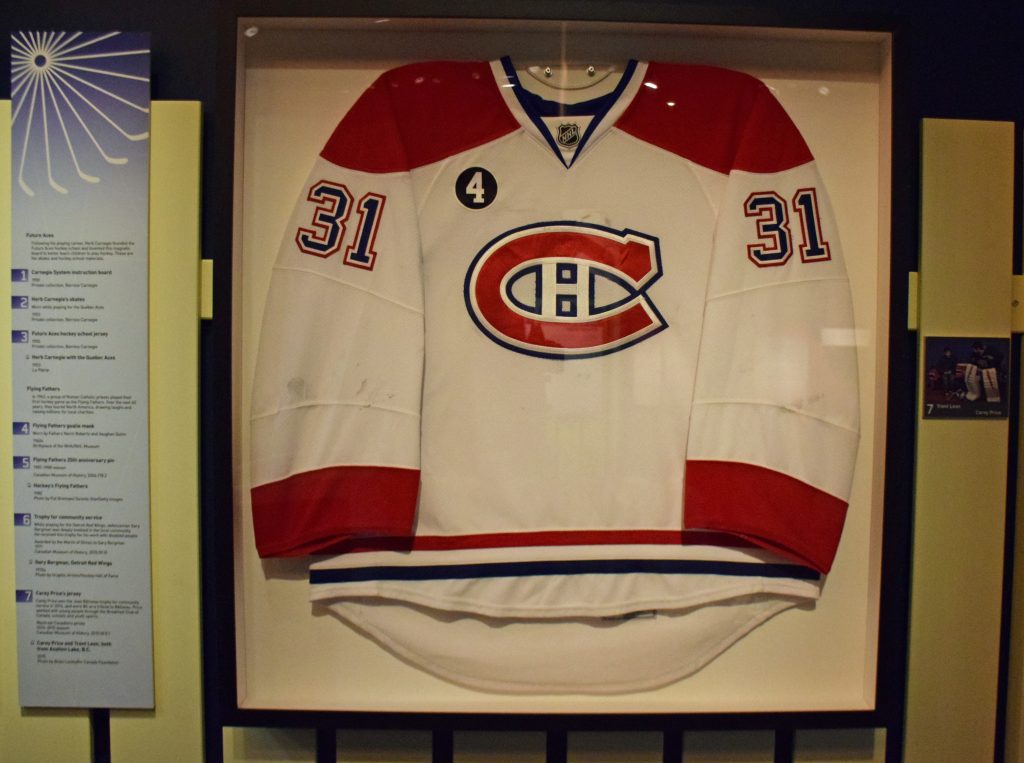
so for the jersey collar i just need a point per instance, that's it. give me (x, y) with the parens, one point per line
(529, 108)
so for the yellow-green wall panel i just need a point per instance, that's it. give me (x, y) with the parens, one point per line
(960, 498)
(379, 746)
(501, 747)
(729, 746)
(612, 747)
(835, 745)
(258, 745)
(173, 731)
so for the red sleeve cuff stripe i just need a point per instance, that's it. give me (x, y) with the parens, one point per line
(313, 512)
(768, 508)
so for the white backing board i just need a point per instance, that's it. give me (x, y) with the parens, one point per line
(296, 79)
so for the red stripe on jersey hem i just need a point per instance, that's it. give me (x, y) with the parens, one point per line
(543, 538)
(312, 512)
(771, 509)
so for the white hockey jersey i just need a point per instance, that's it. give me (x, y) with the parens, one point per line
(557, 387)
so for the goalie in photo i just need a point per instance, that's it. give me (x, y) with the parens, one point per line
(966, 378)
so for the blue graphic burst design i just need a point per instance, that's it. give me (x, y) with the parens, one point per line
(77, 99)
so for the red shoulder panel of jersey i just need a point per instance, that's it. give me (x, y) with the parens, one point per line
(418, 114)
(721, 119)
(771, 509)
(312, 512)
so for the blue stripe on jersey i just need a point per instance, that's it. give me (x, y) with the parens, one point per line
(582, 567)
(537, 107)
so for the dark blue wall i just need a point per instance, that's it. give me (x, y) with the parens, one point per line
(966, 58)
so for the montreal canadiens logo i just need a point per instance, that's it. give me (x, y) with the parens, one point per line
(565, 290)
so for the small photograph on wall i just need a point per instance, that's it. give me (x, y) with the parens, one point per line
(966, 377)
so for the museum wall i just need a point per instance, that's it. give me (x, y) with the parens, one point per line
(953, 61)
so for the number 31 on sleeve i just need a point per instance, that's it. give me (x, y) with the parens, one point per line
(774, 239)
(333, 207)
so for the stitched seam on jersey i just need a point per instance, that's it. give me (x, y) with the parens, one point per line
(338, 403)
(714, 205)
(332, 279)
(802, 281)
(755, 174)
(689, 164)
(791, 409)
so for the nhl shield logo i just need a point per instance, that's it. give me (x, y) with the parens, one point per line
(565, 290)
(568, 134)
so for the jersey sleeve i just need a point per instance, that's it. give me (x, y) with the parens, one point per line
(774, 427)
(335, 416)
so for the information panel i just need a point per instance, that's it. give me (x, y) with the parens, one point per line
(79, 306)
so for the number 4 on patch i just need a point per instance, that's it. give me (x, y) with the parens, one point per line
(326, 234)
(476, 188)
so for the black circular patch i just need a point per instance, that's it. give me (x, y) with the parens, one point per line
(476, 188)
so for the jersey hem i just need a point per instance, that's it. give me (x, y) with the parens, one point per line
(599, 686)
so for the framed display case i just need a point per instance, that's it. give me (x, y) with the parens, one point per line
(273, 658)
